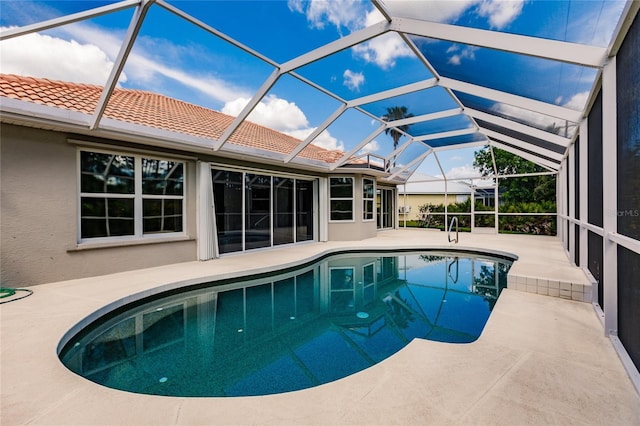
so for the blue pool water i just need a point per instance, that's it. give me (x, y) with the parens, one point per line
(290, 331)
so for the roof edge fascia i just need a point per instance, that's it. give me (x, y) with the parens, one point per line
(29, 114)
(32, 113)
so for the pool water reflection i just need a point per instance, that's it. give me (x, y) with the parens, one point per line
(290, 331)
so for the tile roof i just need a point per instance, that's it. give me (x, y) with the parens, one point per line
(158, 111)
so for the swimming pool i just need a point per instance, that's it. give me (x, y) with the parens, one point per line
(291, 330)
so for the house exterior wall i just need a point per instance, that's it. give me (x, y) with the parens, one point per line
(40, 206)
(414, 201)
(39, 216)
(358, 229)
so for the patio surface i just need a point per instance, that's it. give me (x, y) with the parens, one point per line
(540, 359)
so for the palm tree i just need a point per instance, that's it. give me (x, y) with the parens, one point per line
(393, 114)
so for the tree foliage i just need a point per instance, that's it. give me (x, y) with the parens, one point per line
(394, 114)
(519, 189)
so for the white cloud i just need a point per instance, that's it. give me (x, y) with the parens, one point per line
(273, 112)
(500, 12)
(455, 60)
(349, 14)
(537, 120)
(465, 171)
(430, 10)
(371, 147)
(296, 6)
(324, 139)
(284, 116)
(86, 58)
(143, 68)
(577, 101)
(353, 15)
(383, 50)
(353, 80)
(44, 56)
(459, 54)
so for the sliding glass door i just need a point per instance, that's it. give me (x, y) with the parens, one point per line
(259, 210)
(385, 208)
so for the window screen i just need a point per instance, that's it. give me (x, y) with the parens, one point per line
(595, 162)
(628, 102)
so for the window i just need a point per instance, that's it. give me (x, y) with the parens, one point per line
(368, 191)
(129, 195)
(342, 289)
(341, 198)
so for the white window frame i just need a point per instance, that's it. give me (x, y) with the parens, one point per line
(137, 196)
(345, 290)
(352, 198)
(365, 199)
(369, 284)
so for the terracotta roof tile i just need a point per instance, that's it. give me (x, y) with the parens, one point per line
(158, 111)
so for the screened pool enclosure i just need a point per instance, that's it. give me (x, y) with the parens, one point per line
(382, 89)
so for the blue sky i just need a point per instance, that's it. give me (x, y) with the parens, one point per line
(178, 59)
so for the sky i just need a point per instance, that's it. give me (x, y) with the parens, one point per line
(178, 59)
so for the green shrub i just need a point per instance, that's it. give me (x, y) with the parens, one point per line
(432, 216)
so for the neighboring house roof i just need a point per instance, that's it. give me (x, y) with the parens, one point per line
(417, 185)
(158, 111)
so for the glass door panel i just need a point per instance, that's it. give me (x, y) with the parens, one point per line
(227, 197)
(379, 208)
(387, 208)
(304, 210)
(282, 210)
(385, 213)
(258, 211)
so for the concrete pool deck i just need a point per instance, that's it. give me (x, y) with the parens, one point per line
(540, 359)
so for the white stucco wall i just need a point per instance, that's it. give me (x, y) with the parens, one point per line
(358, 229)
(38, 223)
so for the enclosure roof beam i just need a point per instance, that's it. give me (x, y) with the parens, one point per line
(121, 59)
(316, 132)
(449, 134)
(580, 54)
(412, 163)
(261, 93)
(510, 99)
(336, 46)
(424, 117)
(402, 90)
(533, 158)
(518, 127)
(357, 148)
(522, 144)
(67, 19)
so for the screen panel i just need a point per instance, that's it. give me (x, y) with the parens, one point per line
(596, 263)
(628, 302)
(628, 164)
(595, 162)
(576, 186)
